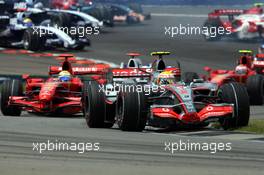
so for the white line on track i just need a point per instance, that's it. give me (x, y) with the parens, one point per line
(179, 15)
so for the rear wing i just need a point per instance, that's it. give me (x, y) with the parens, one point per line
(132, 72)
(225, 12)
(260, 55)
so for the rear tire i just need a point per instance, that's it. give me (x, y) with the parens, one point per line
(255, 87)
(94, 107)
(131, 111)
(10, 88)
(235, 93)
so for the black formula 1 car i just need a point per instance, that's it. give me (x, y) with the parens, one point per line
(36, 28)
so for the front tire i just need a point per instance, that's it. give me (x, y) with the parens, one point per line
(235, 93)
(10, 88)
(255, 87)
(131, 111)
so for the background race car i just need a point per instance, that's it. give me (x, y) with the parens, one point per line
(100, 11)
(236, 23)
(243, 73)
(258, 63)
(106, 12)
(56, 28)
(59, 95)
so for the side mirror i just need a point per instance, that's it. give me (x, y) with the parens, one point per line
(207, 69)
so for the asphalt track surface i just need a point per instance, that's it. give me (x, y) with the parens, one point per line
(126, 152)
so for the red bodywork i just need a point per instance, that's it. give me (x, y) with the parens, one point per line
(52, 96)
(233, 25)
(258, 63)
(191, 115)
(209, 112)
(224, 76)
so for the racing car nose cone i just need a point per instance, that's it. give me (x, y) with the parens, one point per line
(45, 97)
(191, 118)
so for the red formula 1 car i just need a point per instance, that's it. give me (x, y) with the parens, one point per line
(235, 23)
(60, 94)
(243, 73)
(258, 64)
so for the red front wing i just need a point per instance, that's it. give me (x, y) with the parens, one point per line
(71, 106)
(209, 112)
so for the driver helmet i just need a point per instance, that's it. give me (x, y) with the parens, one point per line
(166, 78)
(241, 69)
(27, 22)
(64, 76)
(261, 49)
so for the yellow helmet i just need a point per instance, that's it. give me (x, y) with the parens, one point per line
(28, 22)
(166, 77)
(63, 73)
(64, 76)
